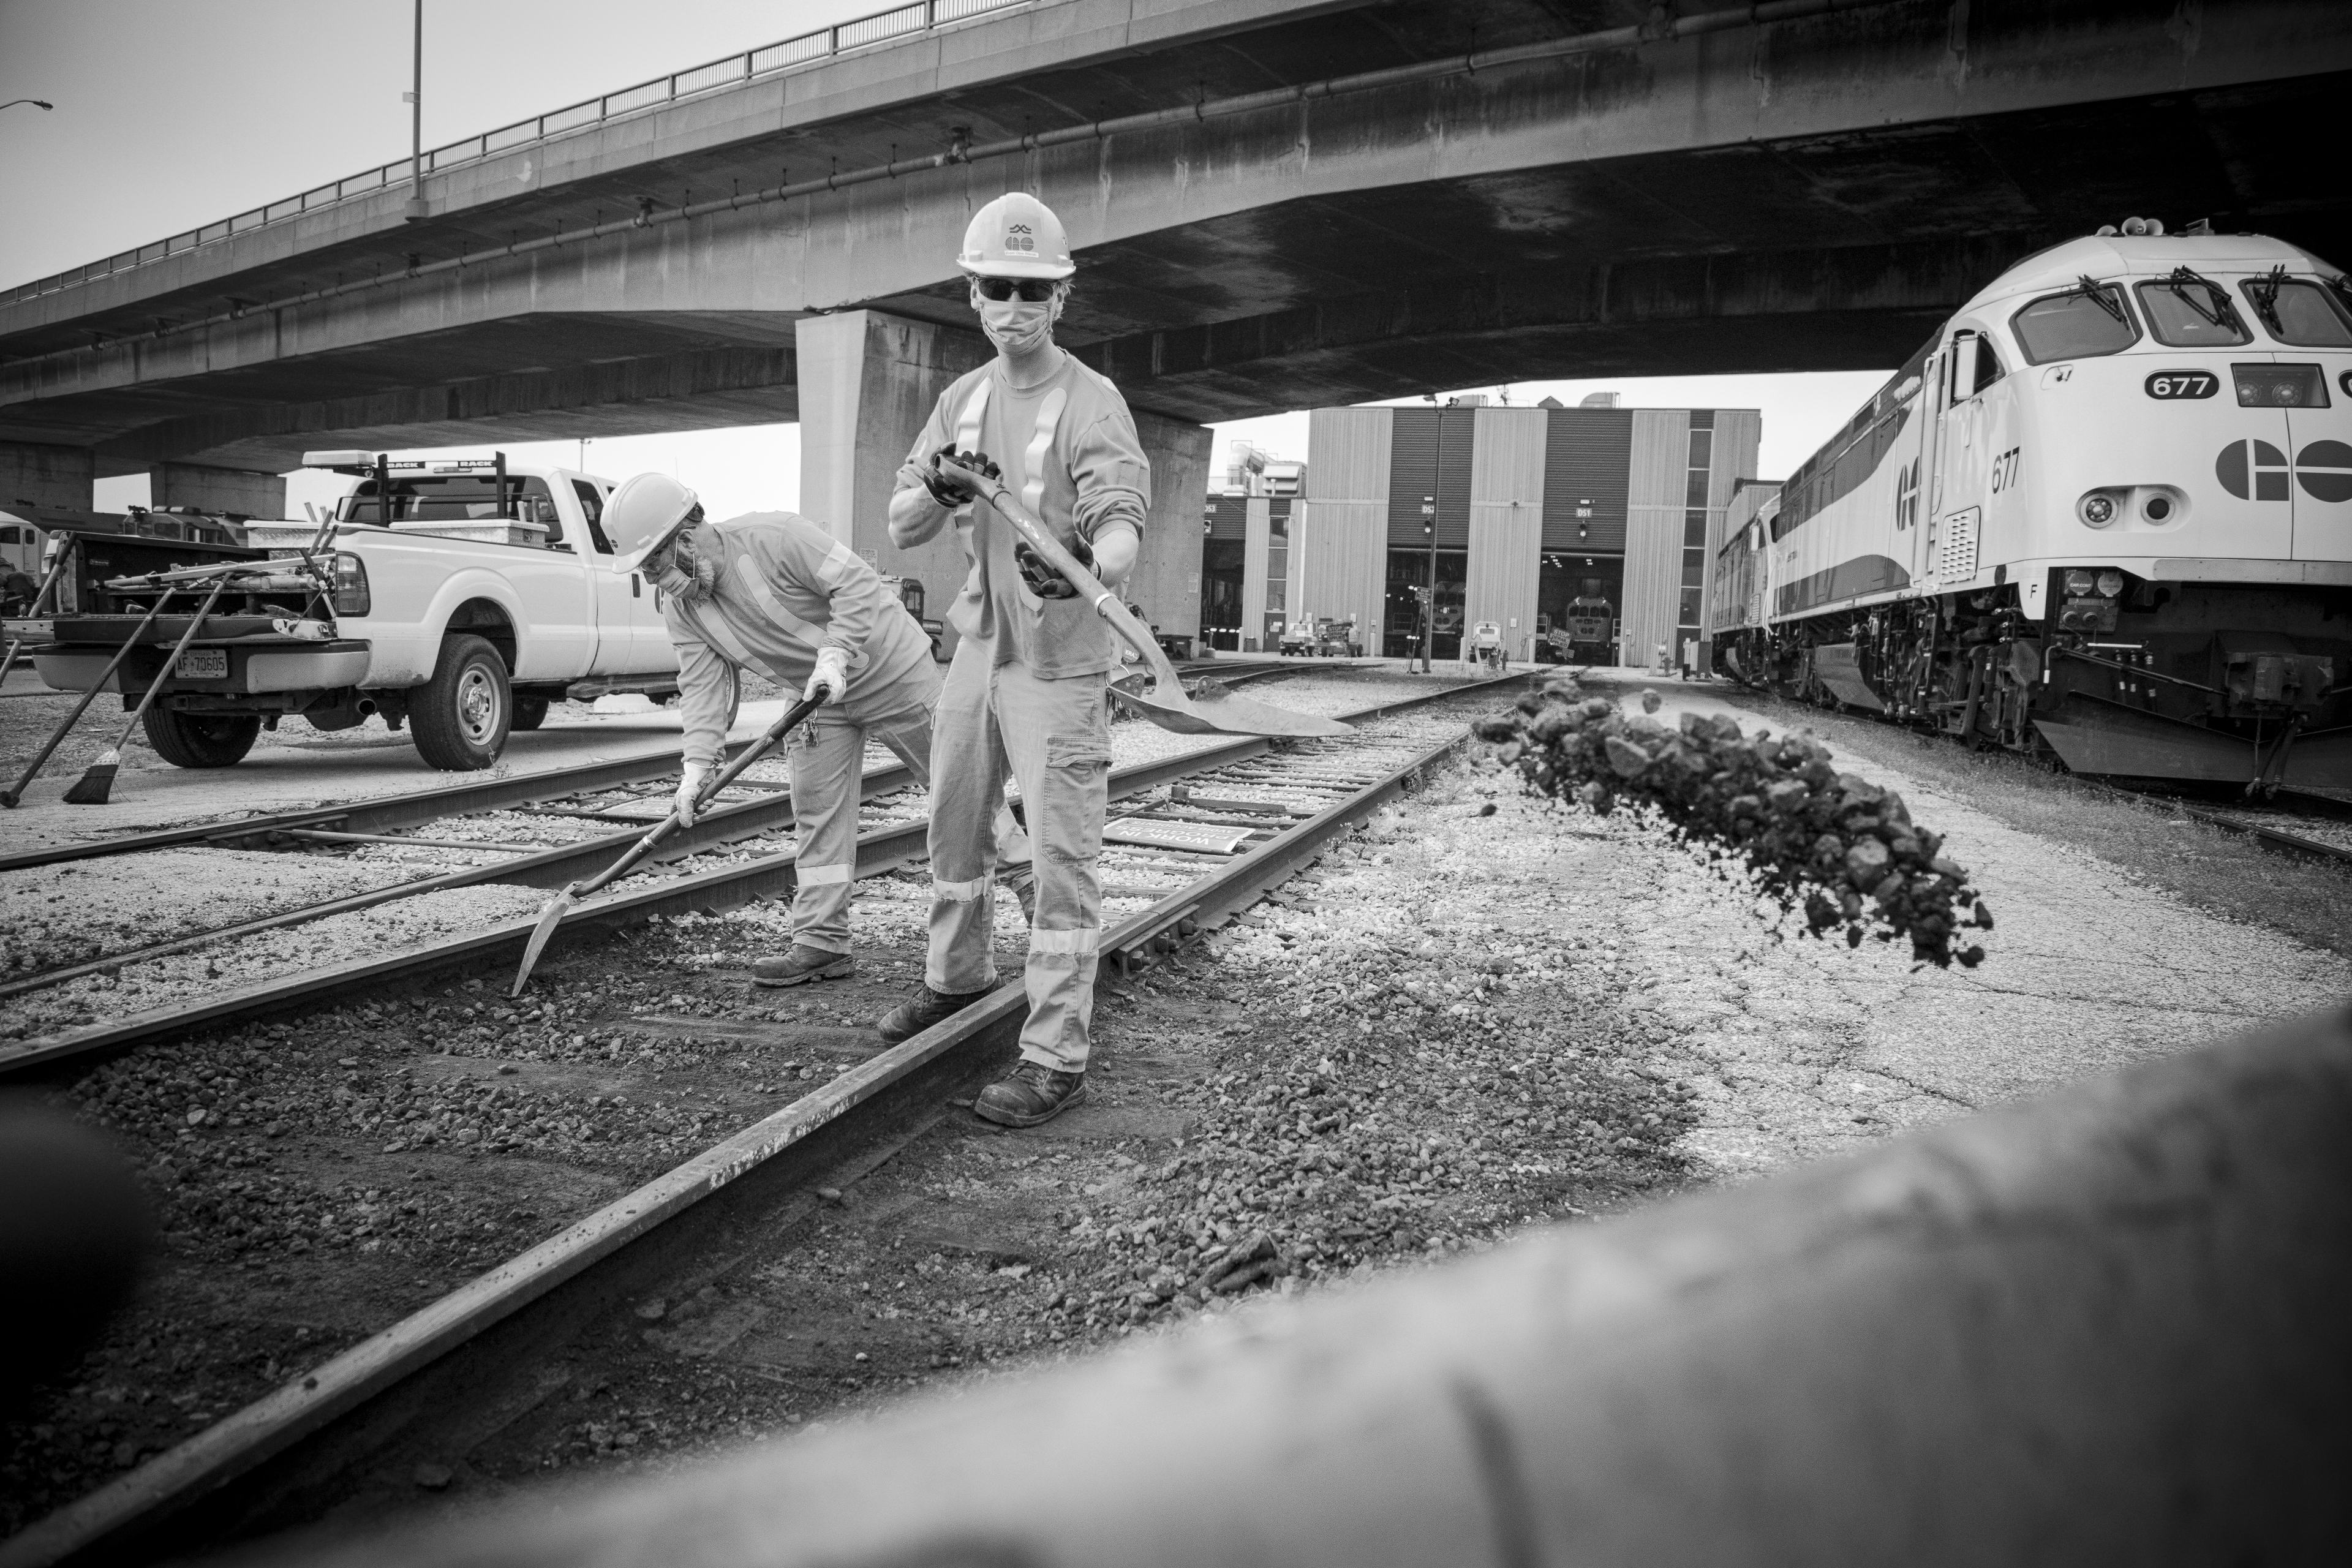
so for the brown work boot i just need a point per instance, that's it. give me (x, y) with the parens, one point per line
(925, 1008)
(1032, 1092)
(802, 964)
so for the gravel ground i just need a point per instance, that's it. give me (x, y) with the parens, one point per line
(1477, 1013)
(317, 1179)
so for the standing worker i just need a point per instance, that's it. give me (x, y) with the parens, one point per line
(1025, 691)
(774, 593)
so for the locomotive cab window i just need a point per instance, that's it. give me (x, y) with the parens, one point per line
(2298, 311)
(1989, 367)
(2081, 323)
(2191, 313)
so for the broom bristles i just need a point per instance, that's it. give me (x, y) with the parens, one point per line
(95, 783)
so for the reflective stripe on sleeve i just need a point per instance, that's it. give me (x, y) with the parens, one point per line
(958, 892)
(822, 875)
(1082, 941)
(836, 564)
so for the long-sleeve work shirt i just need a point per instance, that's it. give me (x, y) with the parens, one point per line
(785, 589)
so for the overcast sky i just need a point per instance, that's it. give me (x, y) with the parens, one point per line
(175, 113)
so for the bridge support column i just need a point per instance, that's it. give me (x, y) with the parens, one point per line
(33, 475)
(867, 382)
(1166, 586)
(217, 489)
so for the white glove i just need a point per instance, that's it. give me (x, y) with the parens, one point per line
(831, 676)
(689, 790)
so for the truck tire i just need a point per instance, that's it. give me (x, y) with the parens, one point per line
(461, 715)
(200, 739)
(530, 712)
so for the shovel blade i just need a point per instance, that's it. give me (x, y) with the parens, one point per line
(1215, 711)
(549, 918)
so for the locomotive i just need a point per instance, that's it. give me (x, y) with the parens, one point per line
(2103, 516)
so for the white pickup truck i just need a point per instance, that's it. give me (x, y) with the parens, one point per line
(468, 596)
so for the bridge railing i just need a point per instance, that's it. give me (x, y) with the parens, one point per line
(887, 27)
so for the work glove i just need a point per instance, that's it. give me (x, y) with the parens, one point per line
(689, 792)
(1040, 575)
(946, 489)
(831, 676)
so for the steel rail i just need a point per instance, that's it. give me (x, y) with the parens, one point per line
(549, 867)
(2269, 837)
(100, 1522)
(721, 888)
(386, 814)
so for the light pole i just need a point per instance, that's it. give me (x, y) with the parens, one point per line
(1437, 485)
(35, 102)
(417, 210)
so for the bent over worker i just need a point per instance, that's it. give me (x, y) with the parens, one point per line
(1025, 691)
(772, 592)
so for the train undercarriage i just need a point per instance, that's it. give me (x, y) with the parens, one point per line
(2207, 683)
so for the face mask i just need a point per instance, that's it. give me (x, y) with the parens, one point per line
(682, 574)
(1018, 326)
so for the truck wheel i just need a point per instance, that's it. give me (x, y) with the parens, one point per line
(199, 740)
(461, 715)
(530, 712)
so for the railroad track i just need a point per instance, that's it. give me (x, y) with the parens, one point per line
(1219, 828)
(555, 788)
(2291, 822)
(612, 791)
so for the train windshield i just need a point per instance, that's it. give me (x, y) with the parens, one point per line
(2078, 324)
(2188, 312)
(2299, 312)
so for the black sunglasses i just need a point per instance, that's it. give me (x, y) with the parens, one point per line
(1036, 291)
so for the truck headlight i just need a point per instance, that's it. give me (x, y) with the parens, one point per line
(351, 597)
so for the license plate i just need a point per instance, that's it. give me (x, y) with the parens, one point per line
(203, 664)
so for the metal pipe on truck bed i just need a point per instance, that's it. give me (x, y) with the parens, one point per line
(2107, 1326)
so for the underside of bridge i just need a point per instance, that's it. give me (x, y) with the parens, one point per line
(1811, 194)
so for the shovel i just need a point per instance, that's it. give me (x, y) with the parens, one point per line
(1209, 709)
(561, 905)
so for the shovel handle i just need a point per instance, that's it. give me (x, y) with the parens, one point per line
(744, 759)
(12, 797)
(1040, 538)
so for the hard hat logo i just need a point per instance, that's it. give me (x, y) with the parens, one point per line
(1016, 236)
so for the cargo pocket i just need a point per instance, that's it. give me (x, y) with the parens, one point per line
(1068, 829)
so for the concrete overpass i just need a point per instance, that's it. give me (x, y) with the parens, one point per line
(1280, 203)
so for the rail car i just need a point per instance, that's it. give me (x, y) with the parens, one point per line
(2104, 515)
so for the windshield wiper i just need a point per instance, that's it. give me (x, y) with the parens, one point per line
(2217, 309)
(2098, 294)
(2264, 292)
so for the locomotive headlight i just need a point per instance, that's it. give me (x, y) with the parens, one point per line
(2098, 510)
(2080, 581)
(2111, 582)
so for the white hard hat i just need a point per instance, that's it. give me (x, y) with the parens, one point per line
(1016, 236)
(642, 515)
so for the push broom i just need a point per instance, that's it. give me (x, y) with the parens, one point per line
(98, 782)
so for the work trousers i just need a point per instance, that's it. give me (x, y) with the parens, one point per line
(1053, 739)
(827, 755)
